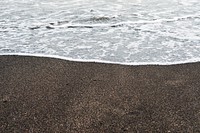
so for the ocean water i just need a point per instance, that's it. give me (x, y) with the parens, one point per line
(119, 31)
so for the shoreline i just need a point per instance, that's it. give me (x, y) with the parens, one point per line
(193, 60)
(39, 94)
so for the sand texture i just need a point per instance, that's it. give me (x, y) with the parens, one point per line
(45, 95)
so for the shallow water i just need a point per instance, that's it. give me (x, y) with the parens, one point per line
(124, 31)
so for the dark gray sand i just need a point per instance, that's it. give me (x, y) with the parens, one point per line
(44, 95)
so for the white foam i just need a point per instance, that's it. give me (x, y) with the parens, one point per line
(192, 60)
(138, 31)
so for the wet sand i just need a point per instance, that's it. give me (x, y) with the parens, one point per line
(52, 95)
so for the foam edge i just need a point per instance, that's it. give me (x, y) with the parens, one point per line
(193, 60)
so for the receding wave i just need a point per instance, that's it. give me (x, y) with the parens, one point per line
(125, 32)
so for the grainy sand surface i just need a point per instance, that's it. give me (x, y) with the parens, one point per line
(44, 95)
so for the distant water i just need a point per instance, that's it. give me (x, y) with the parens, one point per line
(124, 31)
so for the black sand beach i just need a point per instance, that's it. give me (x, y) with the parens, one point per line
(44, 95)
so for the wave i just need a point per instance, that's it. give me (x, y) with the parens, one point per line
(68, 24)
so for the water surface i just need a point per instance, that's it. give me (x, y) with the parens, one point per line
(124, 31)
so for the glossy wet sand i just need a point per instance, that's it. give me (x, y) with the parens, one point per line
(51, 95)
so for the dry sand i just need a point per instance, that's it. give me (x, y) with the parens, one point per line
(44, 95)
